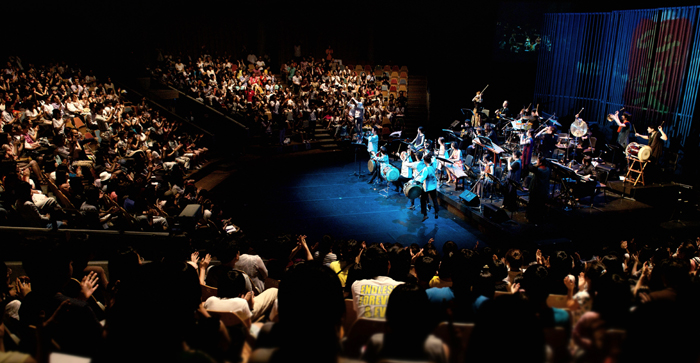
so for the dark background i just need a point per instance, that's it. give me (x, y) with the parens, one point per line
(453, 44)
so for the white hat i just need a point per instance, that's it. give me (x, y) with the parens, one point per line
(104, 176)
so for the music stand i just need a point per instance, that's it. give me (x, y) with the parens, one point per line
(359, 172)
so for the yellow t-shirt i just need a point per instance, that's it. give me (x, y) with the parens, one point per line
(336, 267)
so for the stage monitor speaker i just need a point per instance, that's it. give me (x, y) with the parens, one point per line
(494, 214)
(470, 199)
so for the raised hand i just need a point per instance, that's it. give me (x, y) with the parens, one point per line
(204, 263)
(88, 286)
(22, 288)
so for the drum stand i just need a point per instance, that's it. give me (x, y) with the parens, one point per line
(385, 192)
(637, 167)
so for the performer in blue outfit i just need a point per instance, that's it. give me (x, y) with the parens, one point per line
(381, 157)
(427, 177)
(373, 142)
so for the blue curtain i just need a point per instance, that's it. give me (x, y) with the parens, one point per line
(646, 61)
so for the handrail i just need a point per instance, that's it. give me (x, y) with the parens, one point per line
(91, 231)
(151, 100)
(209, 107)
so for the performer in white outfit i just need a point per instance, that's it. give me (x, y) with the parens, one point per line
(456, 169)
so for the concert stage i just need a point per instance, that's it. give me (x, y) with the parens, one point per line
(314, 193)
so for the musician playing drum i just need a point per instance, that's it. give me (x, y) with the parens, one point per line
(381, 157)
(427, 177)
(656, 139)
(409, 162)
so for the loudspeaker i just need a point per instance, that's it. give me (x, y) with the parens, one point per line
(494, 214)
(470, 199)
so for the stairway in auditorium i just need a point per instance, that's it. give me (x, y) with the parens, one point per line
(417, 107)
(324, 138)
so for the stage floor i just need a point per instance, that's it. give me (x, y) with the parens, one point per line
(316, 194)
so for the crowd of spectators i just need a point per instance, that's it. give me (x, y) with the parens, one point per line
(77, 152)
(285, 300)
(306, 93)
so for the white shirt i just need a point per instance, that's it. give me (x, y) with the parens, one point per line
(370, 297)
(235, 305)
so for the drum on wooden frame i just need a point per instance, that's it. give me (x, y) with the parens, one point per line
(638, 151)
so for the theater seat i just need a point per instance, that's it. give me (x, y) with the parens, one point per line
(556, 301)
(456, 336)
(208, 291)
(350, 316)
(359, 335)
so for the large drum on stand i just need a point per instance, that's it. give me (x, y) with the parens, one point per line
(413, 189)
(371, 164)
(390, 172)
(637, 151)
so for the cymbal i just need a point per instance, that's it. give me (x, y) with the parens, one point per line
(448, 130)
(578, 128)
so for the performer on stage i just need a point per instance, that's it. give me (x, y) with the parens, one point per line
(503, 111)
(539, 190)
(478, 100)
(442, 152)
(624, 126)
(656, 138)
(381, 157)
(587, 170)
(357, 111)
(476, 117)
(515, 166)
(510, 199)
(549, 141)
(417, 143)
(455, 170)
(466, 134)
(490, 133)
(373, 142)
(408, 165)
(485, 182)
(528, 143)
(427, 177)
